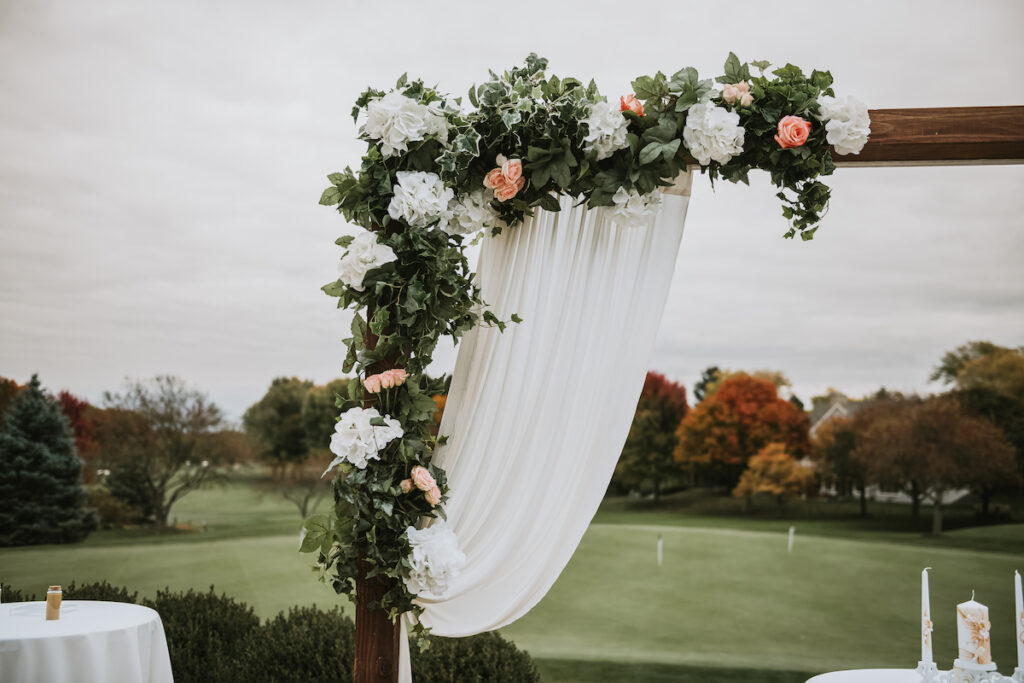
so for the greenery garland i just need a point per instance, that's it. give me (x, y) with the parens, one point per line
(436, 172)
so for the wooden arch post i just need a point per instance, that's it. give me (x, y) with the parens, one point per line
(947, 136)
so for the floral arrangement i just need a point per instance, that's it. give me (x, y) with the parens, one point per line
(439, 171)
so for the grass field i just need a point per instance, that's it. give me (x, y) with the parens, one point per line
(728, 598)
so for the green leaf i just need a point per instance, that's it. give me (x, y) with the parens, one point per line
(651, 152)
(330, 196)
(344, 240)
(317, 527)
(548, 201)
(337, 177)
(645, 88)
(336, 288)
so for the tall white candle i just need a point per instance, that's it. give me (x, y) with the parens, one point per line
(926, 619)
(972, 632)
(1019, 613)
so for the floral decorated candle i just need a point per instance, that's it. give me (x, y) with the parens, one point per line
(972, 632)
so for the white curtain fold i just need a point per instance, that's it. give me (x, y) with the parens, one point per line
(537, 415)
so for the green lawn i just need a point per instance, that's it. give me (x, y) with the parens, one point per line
(729, 598)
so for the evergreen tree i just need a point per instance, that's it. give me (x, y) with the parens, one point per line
(41, 495)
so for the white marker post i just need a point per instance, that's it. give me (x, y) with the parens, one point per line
(792, 533)
(661, 543)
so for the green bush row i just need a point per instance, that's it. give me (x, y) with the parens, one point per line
(216, 639)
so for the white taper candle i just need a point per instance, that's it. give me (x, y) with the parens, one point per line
(926, 619)
(1019, 614)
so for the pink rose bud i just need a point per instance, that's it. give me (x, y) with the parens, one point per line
(433, 496)
(793, 132)
(422, 479)
(405, 485)
(733, 92)
(632, 104)
(372, 384)
(398, 375)
(512, 170)
(386, 379)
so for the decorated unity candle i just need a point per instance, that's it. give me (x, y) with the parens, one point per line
(972, 632)
(926, 619)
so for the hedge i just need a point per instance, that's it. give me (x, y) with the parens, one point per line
(216, 639)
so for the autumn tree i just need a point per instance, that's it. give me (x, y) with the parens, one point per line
(937, 445)
(80, 416)
(833, 448)
(774, 472)
(989, 383)
(275, 422)
(160, 440)
(718, 437)
(8, 390)
(647, 460)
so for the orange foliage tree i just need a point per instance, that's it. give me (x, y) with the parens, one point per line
(775, 472)
(745, 414)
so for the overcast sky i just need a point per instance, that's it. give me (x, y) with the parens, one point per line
(160, 165)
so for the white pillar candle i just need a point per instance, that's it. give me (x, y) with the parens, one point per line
(1019, 614)
(926, 619)
(972, 632)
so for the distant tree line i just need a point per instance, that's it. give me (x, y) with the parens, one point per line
(743, 437)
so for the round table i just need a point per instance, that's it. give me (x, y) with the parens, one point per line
(114, 642)
(869, 676)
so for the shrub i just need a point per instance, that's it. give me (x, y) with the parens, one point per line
(113, 512)
(206, 633)
(484, 657)
(306, 644)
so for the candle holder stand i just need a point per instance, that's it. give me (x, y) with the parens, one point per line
(928, 672)
(966, 673)
(1018, 675)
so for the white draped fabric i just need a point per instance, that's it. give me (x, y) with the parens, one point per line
(537, 415)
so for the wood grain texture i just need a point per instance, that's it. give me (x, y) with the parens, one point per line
(939, 136)
(943, 134)
(376, 641)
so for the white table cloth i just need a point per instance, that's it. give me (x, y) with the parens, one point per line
(869, 676)
(93, 641)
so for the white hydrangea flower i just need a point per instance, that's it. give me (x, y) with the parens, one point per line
(472, 213)
(364, 253)
(421, 198)
(436, 558)
(634, 210)
(847, 123)
(356, 441)
(712, 133)
(606, 130)
(397, 120)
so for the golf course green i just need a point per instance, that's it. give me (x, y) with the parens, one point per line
(727, 598)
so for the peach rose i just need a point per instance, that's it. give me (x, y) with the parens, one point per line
(509, 190)
(737, 92)
(433, 496)
(494, 179)
(372, 384)
(405, 485)
(793, 132)
(421, 478)
(632, 104)
(512, 170)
